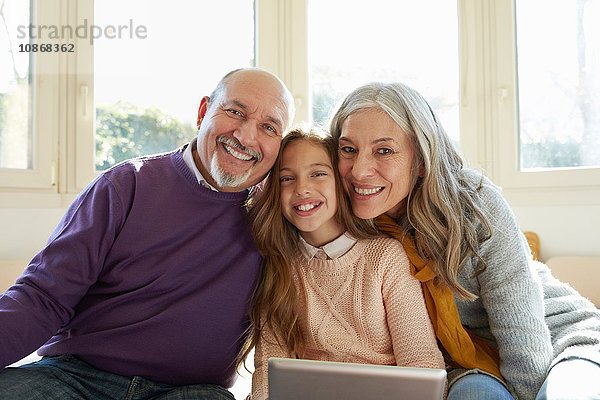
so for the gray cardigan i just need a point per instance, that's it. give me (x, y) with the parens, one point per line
(534, 320)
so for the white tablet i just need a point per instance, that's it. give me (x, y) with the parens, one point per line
(293, 379)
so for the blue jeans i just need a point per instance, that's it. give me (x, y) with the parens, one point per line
(478, 387)
(573, 378)
(66, 377)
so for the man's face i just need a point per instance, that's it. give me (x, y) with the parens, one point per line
(240, 131)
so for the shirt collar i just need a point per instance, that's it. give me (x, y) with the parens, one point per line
(188, 158)
(332, 250)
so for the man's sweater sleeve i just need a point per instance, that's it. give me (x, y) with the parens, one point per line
(45, 295)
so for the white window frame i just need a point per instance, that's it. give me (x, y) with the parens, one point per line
(488, 105)
(489, 112)
(45, 84)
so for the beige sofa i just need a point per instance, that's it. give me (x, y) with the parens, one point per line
(582, 273)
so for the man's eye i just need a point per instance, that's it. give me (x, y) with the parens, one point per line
(235, 112)
(270, 129)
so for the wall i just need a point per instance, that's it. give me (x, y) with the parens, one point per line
(563, 230)
(24, 231)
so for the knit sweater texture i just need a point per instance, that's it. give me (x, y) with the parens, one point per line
(363, 307)
(147, 274)
(533, 319)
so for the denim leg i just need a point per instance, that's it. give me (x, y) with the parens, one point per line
(60, 378)
(199, 392)
(67, 377)
(574, 378)
(144, 389)
(478, 387)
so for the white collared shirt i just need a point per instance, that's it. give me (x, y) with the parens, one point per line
(188, 158)
(331, 250)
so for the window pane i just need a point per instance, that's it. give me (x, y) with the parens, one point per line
(147, 89)
(559, 83)
(16, 133)
(414, 42)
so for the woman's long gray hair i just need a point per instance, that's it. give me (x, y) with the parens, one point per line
(443, 210)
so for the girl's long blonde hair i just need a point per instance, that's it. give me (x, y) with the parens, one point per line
(274, 300)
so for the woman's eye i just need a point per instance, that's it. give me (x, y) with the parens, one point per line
(384, 151)
(347, 149)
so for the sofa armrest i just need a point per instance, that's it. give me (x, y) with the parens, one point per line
(582, 273)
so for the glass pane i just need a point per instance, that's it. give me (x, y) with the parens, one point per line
(414, 42)
(559, 83)
(16, 133)
(148, 87)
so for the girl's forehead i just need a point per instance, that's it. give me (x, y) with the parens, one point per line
(306, 152)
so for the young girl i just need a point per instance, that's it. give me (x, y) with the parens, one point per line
(330, 290)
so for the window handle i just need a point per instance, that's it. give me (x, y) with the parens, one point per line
(84, 91)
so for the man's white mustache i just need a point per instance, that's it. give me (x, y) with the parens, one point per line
(233, 142)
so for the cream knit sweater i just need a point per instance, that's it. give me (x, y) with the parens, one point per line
(362, 307)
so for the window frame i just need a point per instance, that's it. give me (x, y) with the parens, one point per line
(487, 91)
(491, 106)
(42, 176)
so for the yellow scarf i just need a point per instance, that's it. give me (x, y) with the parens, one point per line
(464, 347)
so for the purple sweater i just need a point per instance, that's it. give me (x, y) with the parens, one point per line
(147, 274)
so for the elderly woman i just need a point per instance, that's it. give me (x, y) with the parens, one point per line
(485, 295)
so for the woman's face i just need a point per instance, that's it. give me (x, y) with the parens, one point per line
(375, 163)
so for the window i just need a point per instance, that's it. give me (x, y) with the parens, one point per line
(27, 80)
(15, 90)
(414, 42)
(559, 83)
(532, 115)
(105, 102)
(148, 86)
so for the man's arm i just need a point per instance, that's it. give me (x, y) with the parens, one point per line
(44, 297)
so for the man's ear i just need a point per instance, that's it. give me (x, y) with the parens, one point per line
(202, 110)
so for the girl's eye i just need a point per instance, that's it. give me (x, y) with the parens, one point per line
(284, 179)
(320, 173)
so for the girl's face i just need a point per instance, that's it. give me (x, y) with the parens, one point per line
(308, 199)
(375, 163)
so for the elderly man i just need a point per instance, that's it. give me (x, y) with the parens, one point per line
(143, 289)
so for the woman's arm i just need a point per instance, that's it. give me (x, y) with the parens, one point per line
(512, 297)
